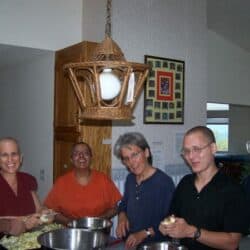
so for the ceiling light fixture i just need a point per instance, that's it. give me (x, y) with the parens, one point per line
(107, 87)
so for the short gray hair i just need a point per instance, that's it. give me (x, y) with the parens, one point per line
(132, 138)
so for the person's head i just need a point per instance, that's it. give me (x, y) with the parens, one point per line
(10, 155)
(133, 150)
(199, 147)
(81, 155)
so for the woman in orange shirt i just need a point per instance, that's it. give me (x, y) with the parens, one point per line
(83, 191)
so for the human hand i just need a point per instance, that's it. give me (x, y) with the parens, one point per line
(123, 225)
(135, 239)
(178, 229)
(17, 226)
(32, 221)
(47, 216)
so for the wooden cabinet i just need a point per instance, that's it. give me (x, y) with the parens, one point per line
(68, 129)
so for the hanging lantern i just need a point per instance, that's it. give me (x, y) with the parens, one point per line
(107, 87)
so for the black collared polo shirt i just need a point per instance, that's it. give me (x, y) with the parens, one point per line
(220, 206)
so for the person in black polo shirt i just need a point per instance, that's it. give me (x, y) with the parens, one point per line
(210, 208)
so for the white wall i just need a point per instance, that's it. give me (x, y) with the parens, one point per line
(171, 29)
(46, 24)
(228, 82)
(94, 20)
(228, 72)
(26, 107)
(27, 89)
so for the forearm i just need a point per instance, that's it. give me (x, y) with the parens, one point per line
(220, 240)
(36, 200)
(61, 219)
(122, 225)
(134, 239)
(13, 226)
(5, 226)
(122, 216)
(110, 213)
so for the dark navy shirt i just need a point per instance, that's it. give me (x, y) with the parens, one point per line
(147, 204)
(220, 206)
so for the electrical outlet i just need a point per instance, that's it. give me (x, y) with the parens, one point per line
(42, 174)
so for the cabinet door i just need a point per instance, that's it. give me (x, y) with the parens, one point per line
(67, 127)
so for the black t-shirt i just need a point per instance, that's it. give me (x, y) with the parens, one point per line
(219, 206)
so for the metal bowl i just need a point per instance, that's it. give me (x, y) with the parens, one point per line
(73, 239)
(162, 246)
(92, 224)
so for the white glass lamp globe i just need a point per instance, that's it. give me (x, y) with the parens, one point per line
(110, 85)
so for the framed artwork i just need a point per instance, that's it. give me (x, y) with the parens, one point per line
(164, 91)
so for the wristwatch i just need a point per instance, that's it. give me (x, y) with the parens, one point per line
(148, 232)
(197, 234)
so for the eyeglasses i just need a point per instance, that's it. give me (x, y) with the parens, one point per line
(80, 153)
(133, 156)
(194, 150)
(5, 156)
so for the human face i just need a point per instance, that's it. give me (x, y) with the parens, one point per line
(81, 156)
(10, 158)
(134, 158)
(198, 151)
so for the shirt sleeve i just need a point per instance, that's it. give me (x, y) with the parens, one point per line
(112, 192)
(122, 207)
(52, 199)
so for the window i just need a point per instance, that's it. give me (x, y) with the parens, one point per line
(218, 122)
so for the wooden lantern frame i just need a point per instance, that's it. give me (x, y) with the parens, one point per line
(85, 77)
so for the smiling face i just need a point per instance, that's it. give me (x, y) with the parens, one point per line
(135, 158)
(10, 158)
(81, 156)
(198, 152)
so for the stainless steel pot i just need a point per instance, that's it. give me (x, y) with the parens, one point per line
(92, 224)
(162, 246)
(73, 239)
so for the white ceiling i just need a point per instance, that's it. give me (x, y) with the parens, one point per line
(229, 18)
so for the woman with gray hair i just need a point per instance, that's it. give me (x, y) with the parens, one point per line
(148, 192)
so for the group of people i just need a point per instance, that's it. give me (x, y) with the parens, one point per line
(209, 208)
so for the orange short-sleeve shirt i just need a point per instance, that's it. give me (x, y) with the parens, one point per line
(74, 200)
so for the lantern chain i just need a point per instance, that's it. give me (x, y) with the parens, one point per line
(108, 19)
